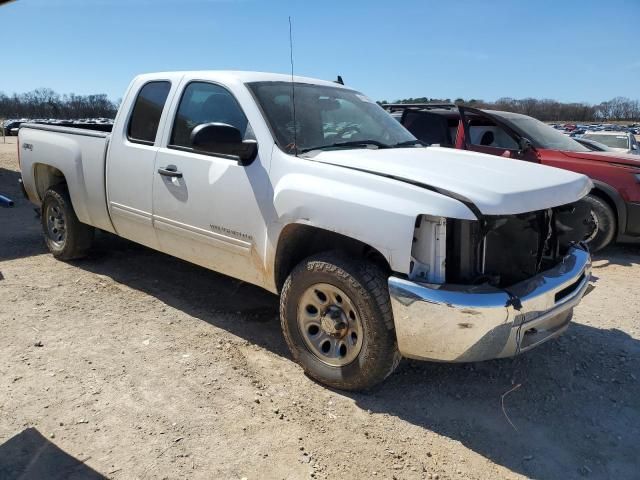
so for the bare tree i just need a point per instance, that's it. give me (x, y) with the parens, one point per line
(45, 103)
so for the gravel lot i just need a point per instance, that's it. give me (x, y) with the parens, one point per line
(133, 364)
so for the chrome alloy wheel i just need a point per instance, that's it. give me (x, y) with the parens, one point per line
(594, 225)
(56, 224)
(330, 324)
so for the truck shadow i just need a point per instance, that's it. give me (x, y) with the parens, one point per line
(30, 456)
(222, 301)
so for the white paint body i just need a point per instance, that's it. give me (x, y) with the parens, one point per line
(632, 146)
(229, 217)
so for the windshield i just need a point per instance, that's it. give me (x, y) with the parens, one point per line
(541, 134)
(613, 141)
(326, 117)
(594, 145)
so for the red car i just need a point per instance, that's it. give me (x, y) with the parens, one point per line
(615, 198)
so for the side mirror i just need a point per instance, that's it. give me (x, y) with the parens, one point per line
(525, 145)
(223, 139)
(634, 147)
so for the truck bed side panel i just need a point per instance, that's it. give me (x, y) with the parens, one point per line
(80, 156)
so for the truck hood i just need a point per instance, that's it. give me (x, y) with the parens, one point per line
(494, 185)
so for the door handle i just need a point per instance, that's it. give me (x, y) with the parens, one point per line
(170, 171)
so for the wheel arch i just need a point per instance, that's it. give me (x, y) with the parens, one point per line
(298, 241)
(610, 195)
(45, 177)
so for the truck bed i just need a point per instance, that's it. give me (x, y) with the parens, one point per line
(80, 155)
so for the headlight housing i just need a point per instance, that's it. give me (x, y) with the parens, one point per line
(429, 250)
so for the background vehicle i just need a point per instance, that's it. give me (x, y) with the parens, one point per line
(593, 145)
(11, 126)
(577, 132)
(615, 199)
(623, 142)
(378, 246)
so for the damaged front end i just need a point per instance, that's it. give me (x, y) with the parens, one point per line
(503, 250)
(491, 288)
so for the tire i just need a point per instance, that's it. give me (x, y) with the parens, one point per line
(66, 237)
(358, 300)
(604, 220)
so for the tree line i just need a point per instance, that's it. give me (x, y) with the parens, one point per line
(618, 108)
(45, 103)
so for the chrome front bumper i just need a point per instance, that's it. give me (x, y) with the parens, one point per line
(460, 323)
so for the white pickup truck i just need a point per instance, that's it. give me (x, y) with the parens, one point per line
(379, 246)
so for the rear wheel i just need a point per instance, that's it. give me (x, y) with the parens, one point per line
(66, 237)
(337, 321)
(602, 222)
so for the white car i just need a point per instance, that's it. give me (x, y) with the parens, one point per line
(378, 246)
(623, 142)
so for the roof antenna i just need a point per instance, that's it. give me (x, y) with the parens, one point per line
(293, 93)
(339, 80)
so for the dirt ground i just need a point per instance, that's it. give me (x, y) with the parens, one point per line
(133, 364)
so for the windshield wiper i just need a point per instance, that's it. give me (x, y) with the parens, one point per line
(409, 143)
(354, 143)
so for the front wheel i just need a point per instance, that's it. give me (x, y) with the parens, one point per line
(602, 223)
(66, 237)
(337, 321)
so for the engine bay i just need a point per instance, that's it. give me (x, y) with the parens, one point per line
(496, 250)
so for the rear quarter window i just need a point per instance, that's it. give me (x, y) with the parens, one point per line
(147, 110)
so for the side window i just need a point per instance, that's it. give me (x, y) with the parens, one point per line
(431, 128)
(145, 117)
(487, 135)
(204, 103)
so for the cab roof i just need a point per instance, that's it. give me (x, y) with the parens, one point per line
(239, 76)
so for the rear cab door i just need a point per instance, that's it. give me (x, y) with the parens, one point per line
(486, 133)
(132, 154)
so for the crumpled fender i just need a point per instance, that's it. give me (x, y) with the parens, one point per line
(375, 210)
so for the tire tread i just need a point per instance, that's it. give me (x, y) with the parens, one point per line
(607, 223)
(79, 236)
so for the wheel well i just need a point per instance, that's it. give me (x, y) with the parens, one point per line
(602, 195)
(45, 177)
(297, 242)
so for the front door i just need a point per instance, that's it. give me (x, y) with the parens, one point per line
(483, 133)
(206, 206)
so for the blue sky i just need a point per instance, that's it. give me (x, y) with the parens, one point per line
(582, 50)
